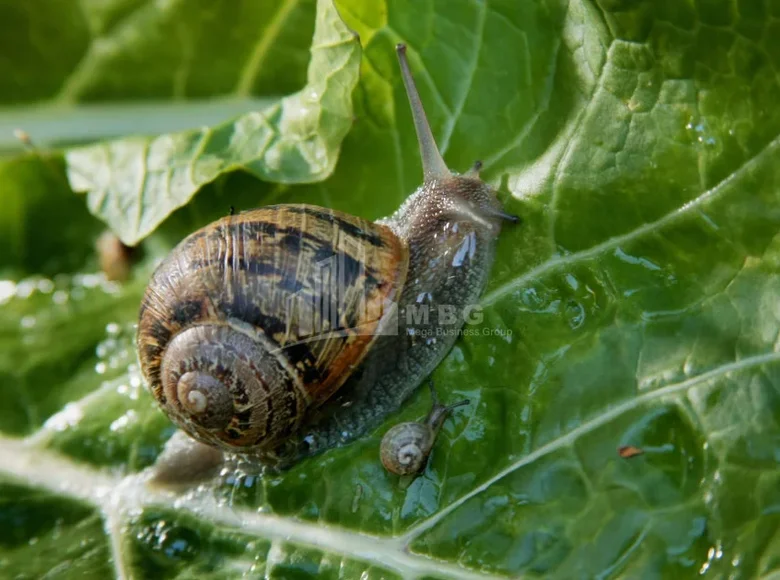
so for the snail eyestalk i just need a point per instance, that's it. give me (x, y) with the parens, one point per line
(433, 164)
(462, 403)
(440, 412)
(507, 217)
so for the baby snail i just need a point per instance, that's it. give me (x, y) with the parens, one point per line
(406, 447)
(280, 332)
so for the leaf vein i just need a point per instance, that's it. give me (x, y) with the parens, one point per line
(449, 127)
(558, 262)
(587, 427)
(264, 43)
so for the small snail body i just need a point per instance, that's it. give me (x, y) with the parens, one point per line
(405, 448)
(283, 331)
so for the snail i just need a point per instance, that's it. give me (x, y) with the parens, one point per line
(280, 332)
(405, 447)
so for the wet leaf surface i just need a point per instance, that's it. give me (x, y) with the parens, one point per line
(636, 305)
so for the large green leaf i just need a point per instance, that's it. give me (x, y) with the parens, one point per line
(134, 183)
(635, 306)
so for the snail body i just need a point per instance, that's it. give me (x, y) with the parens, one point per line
(283, 331)
(406, 447)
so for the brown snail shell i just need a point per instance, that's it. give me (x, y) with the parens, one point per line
(406, 447)
(224, 329)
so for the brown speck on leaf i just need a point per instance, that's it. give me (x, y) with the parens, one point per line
(115, 258)
(629, 451)
(24, 137)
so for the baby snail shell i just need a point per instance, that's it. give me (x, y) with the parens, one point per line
(406, 447)
(280, 332)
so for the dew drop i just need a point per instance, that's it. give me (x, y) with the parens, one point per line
(170, 542)
(60, 297)
(25, 288)
(45, 286)
(69, 416)
(124, 421)
(575, 314)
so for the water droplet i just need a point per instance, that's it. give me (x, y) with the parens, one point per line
(60, 297)
(170, 542)
(69, 416)
(623, 256)
(45, 286)
(467, 248)
(575, 314)
(422, 296)
(7, 290)
(25, 288)
(124, 421)
(538, 300)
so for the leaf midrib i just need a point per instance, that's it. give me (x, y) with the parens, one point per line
(23, 460)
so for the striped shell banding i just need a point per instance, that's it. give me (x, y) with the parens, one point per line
(259, 317)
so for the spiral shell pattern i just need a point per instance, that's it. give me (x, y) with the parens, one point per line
(405, 448)
(256, 318)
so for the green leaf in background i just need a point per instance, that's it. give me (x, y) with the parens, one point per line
(134, 183)
(637, 305)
